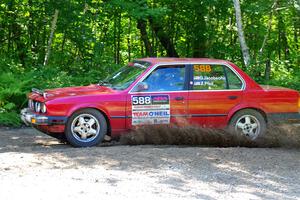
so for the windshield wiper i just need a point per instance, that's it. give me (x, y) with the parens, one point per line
(139, 65)
(103, 83)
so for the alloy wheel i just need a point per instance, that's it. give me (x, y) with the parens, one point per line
(85, 127)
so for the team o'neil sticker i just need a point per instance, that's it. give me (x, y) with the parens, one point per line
(150, 109)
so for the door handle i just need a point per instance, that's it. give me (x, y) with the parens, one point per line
(232, 97)
(179, 98)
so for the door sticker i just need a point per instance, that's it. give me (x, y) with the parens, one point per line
(150, 109)
(208, 80)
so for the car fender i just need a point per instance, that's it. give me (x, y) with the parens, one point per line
(99, 107)
(242, 106)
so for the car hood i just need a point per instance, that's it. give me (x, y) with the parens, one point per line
(50, 94)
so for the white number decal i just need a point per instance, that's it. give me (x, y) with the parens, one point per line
(141, 100)
(135, 100)
(147, 100)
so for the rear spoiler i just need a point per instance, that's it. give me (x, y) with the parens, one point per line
(40, 92)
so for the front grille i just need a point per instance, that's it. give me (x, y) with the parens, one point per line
(32, 105)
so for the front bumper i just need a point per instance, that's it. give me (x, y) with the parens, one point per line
(30, 118)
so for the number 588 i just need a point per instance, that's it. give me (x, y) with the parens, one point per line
(202, 68)
(141, 100)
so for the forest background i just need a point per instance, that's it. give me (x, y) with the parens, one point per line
(56, 43)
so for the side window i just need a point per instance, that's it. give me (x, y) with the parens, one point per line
(166, 78)
(233, 81)
(209, 77)
(215, 77)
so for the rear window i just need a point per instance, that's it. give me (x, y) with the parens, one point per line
(215, 77)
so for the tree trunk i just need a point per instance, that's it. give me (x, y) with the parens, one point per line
(268, 68)
(286, 47)
(142, 26)
(279, 40)
(142, 47)
(115, 39)
(243, 44)
(119, 39)
(64, 41)
(164, 38)
(154, 50)
(199, 40)
(53, 27)
(15, 35)
(33, 27)
(20, 46)
(297, 28)
(43, 43)
(129, 40)
(10, 17)
(188, 46)
(282, 38)
(296, 35)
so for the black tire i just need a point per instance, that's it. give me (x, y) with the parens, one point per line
(240, 125)
(75, 138)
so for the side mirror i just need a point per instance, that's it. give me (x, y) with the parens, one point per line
(141, 86)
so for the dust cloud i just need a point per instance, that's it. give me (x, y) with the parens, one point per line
(276, 136)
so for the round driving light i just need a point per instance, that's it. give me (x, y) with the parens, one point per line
(37, 107)
(43, 108)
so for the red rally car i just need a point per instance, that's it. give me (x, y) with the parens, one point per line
(205, 92)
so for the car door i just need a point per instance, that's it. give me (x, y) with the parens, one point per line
(214, 90)
(162, 101)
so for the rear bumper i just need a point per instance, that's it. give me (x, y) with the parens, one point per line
(30, 118)
(285, 117)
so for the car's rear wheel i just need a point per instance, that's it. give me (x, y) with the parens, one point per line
(86, 128)
(249, 123)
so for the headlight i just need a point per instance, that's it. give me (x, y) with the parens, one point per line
(37, 107)
(43, 108)
(30, 103)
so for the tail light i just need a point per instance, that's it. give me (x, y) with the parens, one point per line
(299, 104)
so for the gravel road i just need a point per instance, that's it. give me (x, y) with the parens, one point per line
(35, 166)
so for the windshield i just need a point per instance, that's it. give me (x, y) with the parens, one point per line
(123, 78)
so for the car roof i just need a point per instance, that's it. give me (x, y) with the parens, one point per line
(180, 60)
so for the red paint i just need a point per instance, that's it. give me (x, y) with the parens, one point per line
(116, 105)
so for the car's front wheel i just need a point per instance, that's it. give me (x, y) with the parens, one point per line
(249, 123)
(86, 128)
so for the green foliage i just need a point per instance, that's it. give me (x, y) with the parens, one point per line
(286, 77)
(10, 119)
(15, 86)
